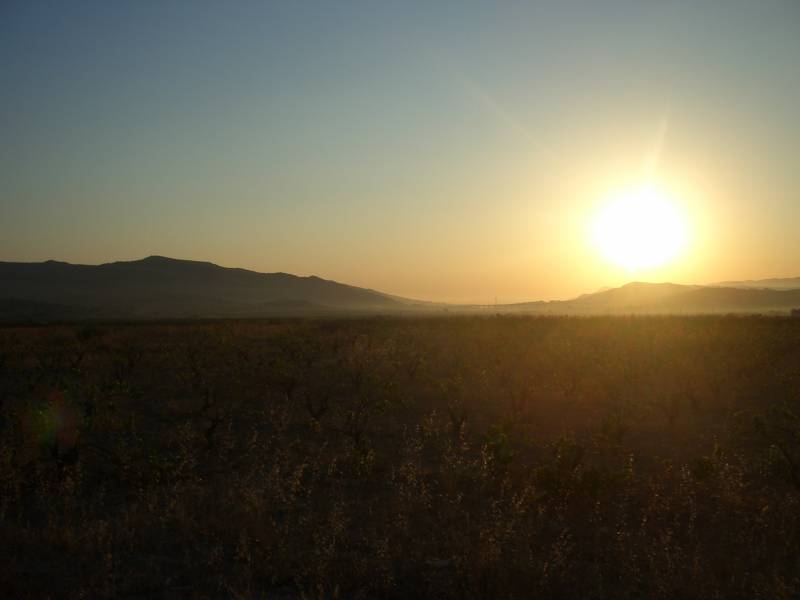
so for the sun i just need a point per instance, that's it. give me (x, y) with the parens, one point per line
(640, 229)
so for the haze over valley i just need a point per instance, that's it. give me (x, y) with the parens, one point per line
(160, 287)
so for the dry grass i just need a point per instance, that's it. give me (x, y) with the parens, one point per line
(465, 457)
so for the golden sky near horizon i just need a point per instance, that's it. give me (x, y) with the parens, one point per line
(456, 153)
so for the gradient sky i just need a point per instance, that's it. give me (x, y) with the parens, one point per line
(450, 152)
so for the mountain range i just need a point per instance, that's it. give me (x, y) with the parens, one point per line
(165, 288)
(671, 298)
(786, 283)
(160, 287)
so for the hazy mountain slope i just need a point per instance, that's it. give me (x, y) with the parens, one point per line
(783, 283)
(635, 294)
(720, 299)
(158, 286)
(21, 310)
(674, 298)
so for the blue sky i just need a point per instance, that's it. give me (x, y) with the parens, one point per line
(449, 152)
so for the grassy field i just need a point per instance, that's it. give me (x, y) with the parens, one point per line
(612, 457)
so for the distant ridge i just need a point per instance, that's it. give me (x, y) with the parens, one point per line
(162, 287)
(672, 298)
(785, 283)
(158, 287)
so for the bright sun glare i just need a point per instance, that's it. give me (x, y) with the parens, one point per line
(640, 229)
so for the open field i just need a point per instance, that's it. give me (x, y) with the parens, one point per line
(608, 457)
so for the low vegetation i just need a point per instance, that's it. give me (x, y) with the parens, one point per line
(514, 457)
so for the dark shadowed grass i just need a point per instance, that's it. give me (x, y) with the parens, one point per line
(653, 457)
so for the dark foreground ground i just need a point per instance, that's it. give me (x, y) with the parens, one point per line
(455, 458)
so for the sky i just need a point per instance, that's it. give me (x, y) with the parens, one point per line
(452, 151)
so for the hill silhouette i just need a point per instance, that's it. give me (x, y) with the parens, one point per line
(671, 298)
(158, 287)
(674, 298)
(777, 283)
(161, 287)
